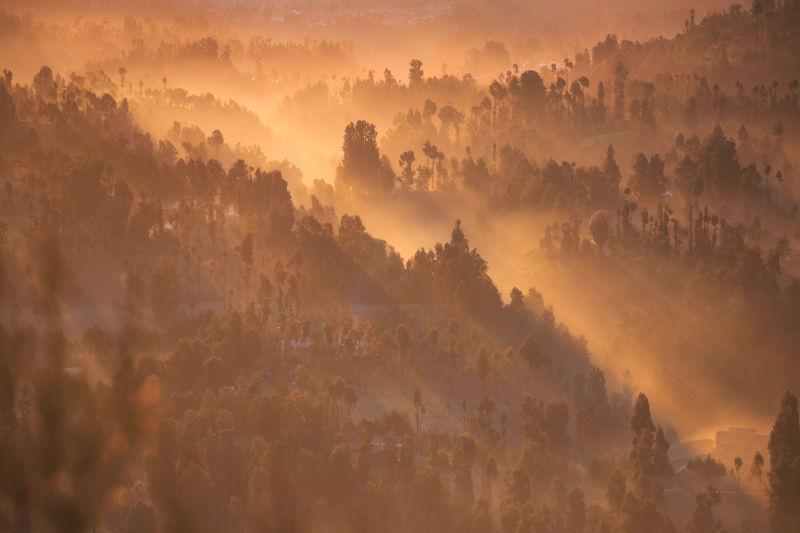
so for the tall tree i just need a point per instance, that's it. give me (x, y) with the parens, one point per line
(660, 453)
(757, 467)
(737, 468)
(415, 73)
(407, 159)
(620, 78)
(362, 170)
(784, 475)
(612, 172)
(641, 419)
(648, 180)
(531, 96)
(530, 353)
(702, 518)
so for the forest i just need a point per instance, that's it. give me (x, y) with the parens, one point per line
(482, 266)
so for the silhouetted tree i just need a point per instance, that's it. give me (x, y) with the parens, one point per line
(784, 474)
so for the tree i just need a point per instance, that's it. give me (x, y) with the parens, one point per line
(737, 467)
(216, 138)
(612, 172)
(615, 493)
(644, 467)
(432, 155)
(761, 7)
(246, 252)
(7, 110)
(757, 467)
(122, 71)
(415, 73)
(600, 228)
(362, 170)
(643, 452)
(499, 93)
(660, 453)
(648, 180)
(687, 180)
(429, 109)
(530, 352)
(424, 178)
(451, 117)
(719, 164)
(600, 105)
(531, 96)
(407, 159)
(605, 49)
(784, 474)
(620, 77)
(386, 177)
(706, 467)
(44, 84)
(641, 415)
(702, 518)
(264, 298)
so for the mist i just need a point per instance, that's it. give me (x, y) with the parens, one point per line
(305, 266)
